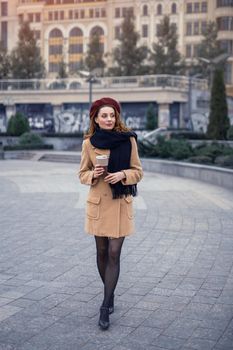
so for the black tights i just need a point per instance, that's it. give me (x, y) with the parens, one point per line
(108, 263)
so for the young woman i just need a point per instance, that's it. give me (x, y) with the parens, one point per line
(109, 212)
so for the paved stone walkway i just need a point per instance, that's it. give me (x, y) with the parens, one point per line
(176, 285)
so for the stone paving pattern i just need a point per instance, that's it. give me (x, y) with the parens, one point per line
(176, 285)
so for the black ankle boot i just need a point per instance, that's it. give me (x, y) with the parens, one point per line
(104, 318)
(111, 305)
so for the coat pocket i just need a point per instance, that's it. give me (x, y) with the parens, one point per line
(129, 206)
(93, 207)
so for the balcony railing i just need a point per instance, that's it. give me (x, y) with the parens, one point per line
(180, 83)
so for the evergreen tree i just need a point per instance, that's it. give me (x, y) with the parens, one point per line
(18, 125)
(165, 57)
(218, 119)
(4, 63)
(128, 57)
(26, 61)
(94, 59)
(151, 118)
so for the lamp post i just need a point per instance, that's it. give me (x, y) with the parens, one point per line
(90, 78)
(213, 63)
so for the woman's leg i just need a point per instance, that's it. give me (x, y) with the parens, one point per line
(101, 255)
(113, 268)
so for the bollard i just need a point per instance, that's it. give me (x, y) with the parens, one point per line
(1, 151)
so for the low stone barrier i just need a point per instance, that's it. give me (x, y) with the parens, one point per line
(211, 174)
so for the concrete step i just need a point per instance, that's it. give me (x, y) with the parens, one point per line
(62, 158)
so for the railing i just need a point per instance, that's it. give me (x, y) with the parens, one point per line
(180, 83)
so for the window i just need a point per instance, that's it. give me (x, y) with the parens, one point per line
(37, 17)
(56, 15)
(145, 10)
(30, 17)
(4, 32)
(91, 13)
(97, 13)
(228, 73)
(117, 32)
(61, 15)
(173, 8)
(224, 3)
(145, 31)
(158, 29)
(189, 8)
(203, 27)
(20, 18)
(225, 23)
(75, 48)
(159, 9)
(196, 50)
(196, 7)
(50, 16)
(55, 50)
(188, 28)
(76, 14)
(117, 12)
(4, 9)
(103, 13)
(82, 14)
(188, 51)
(70, 14)
(196, 28)
(204, 7)
(227, 46)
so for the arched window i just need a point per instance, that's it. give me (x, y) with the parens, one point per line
(173, 8)
(159, 9)
(100, 32)
(97, 31)
(55, 49)
(145, 10)
(75, 49)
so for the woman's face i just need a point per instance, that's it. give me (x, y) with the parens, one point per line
(106, 118)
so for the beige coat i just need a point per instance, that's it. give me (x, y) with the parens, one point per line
(106, 216)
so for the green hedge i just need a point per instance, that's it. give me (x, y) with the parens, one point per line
(209, 154)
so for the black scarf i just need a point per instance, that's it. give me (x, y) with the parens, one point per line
(120, 151)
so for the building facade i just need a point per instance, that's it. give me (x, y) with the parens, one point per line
(63, 27)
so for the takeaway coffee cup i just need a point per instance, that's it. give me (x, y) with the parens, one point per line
(103, 161)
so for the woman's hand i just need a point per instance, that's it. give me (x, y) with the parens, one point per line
(98, 171)
(113, 178)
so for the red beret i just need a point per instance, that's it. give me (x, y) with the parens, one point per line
(105, 101)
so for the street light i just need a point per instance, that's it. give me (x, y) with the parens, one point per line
(90, 78)
(213, 63)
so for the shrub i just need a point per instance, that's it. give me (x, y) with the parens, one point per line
(176, 149)
(18, 124)
(213, 150)
(29, 138)
(225, 161)
(230, 133)
(200, 160)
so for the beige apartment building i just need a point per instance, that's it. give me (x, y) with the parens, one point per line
(64, 27)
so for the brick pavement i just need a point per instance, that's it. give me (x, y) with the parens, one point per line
(176, 285)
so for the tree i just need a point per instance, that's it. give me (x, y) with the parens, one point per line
(62, 72)
(151, 118)
(165, 57)
(209, 49)
(128, 57)
(18, 125)
(95, 53)
(218, 119)
(4, 63)
(25, 58)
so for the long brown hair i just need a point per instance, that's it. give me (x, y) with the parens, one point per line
(119, 125)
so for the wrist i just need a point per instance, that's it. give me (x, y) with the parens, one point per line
(123, 173)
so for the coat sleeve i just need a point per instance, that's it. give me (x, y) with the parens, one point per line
(86, 172)
(135, 173)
